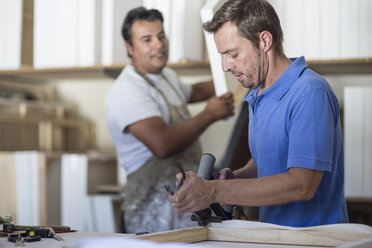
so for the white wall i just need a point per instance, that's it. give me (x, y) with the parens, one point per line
(85, 97)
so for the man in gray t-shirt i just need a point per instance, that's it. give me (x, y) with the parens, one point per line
(150, 125)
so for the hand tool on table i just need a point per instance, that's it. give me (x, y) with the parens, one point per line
(16, 238)
(9, 227)
(43, 232)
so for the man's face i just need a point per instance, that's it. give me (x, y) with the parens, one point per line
(239, 56)
(149, 50)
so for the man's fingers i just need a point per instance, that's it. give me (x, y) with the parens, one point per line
(226, 174)
(179, 180)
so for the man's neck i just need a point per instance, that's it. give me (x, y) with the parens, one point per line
(277, 66)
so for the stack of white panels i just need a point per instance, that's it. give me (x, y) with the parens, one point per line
(102, 213)
(27, 188)
(186, 32)
(67, 33)
(11, 33)
(183, 26)
(326, 29)
(113, 14)
(79, 210)
(74, 199)
(358, 141)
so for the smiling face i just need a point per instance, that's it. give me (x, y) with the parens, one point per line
(149, 49)
(240, 57)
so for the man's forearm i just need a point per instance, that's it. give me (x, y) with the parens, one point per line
(181, 135)
(298, 184)
(201, 91)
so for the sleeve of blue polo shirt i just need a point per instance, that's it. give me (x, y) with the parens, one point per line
(311, 130)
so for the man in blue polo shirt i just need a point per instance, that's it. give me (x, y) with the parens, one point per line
(296, 174)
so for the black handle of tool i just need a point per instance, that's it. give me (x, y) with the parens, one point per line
(206, 169)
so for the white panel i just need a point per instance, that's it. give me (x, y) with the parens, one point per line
(367, 146)
(66, 37)
(177, 39)
(219, 78)
(89, 32)
(365, 33)
(311, 29)
(186, 34)
(27, 188)
(330, 29)
(102, 213)
(293, 31)
(281, 10)
(349, 33)
(11, 33)
(113, 14)
(44, 32)
(353, 129)
(74, 200)
(55, 33)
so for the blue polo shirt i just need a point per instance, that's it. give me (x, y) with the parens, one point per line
(296, 123)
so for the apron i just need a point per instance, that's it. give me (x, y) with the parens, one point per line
(147, 208)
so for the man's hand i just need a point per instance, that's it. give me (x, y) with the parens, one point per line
(220, 107)
(226, 174)
(195, 194)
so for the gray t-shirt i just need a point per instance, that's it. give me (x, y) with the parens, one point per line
(132, 99)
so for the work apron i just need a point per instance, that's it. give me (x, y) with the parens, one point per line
(147, 208)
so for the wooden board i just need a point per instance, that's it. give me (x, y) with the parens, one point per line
(289, 237)
(191, 235)
(257, 232)
(7, 189)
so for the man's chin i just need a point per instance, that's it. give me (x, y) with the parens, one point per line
(249, 85)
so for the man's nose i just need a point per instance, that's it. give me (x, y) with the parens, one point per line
(158, 43)
(226, 65)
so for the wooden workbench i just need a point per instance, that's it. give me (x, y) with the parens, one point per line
(227, 234)
(71, 238)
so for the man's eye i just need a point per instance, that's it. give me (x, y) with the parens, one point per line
(234, 55)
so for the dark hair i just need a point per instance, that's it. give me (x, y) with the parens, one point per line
(251, 17)
(136, 14)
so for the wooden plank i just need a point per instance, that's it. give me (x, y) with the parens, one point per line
(191, 235)
(256, 232)
(43, 188)
(7, 184)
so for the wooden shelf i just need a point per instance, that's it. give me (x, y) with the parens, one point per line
(343, 66)
(98, 71)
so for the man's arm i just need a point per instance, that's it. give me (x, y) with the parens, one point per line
(298, 184)
(164, 140)
(201, 91)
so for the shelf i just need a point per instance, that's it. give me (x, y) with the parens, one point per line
(343, 66)
(89, 72)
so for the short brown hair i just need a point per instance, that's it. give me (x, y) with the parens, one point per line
(251, 17)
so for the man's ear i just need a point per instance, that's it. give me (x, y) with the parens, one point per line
(129, 48)
(266, 40)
